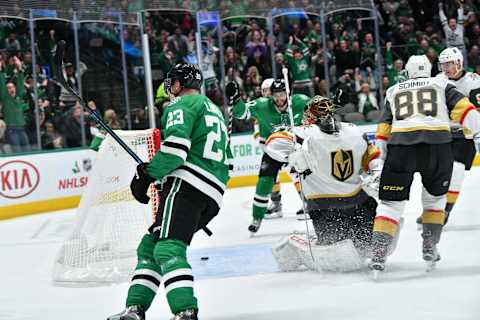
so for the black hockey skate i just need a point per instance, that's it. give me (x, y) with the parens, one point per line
(130, 313)
(377, 263)
(301, 216)
(378, 259)
(380, 244)
(430, 253)
(190, 314)
(431, 236)
(274, 210)
(254, 226)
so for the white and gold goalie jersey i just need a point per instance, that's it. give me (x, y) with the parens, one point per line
(336, 161)
(419, 111)
(469, 85)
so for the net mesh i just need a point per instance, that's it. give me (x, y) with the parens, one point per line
(110, 222)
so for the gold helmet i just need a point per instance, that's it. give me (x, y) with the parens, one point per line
(320, 110)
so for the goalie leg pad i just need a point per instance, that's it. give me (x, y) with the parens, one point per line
(338, 257)
(294, 251)
(287, 252)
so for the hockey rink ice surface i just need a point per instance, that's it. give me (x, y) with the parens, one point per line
(240, 279)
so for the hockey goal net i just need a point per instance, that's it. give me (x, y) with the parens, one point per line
(109, 222)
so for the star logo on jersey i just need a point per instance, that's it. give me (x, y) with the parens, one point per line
(342, 164)
(302, 66)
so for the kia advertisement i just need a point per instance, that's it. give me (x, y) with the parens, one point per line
(44, 176)
(18, 179)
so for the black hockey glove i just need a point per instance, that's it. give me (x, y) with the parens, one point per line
(232, 91)
(140, 184)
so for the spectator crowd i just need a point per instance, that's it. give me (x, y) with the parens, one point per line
(250, 55)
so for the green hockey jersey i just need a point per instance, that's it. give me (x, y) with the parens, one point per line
(299, 68)
(267, 114)
(195, 145)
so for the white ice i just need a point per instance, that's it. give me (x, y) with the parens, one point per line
(405, 291)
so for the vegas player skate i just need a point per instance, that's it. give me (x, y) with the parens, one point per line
(463, 146)
(331, 156)
(415, 125)
(192, 167)
(270, 112)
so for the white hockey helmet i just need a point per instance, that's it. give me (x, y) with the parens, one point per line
(266, 84)
(418, 67)
(451, 54)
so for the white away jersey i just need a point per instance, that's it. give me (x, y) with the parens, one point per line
(419, 111)
(335, 159)
(469, 85)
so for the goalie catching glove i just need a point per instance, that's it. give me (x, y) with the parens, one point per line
(140, 184)
(232, 91)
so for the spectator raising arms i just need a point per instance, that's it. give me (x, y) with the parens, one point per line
(298, 60)
(453, 28)
(394, 69)
(11, 93)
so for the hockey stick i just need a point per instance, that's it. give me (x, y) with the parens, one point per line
(292, 123)
(93, 113)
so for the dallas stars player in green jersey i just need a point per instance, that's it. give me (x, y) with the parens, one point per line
(192, 166)
(270, 112)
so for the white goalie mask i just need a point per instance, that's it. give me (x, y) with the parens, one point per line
(418, 67)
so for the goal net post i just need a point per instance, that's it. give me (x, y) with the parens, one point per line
(109, 221)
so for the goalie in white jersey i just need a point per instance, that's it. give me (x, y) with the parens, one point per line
(463, 146)
(331, 156)
(416, 127)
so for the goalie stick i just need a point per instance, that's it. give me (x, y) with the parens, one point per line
(59, 53)
(292, 123)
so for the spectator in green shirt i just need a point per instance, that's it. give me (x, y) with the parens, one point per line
(11, 93)
(298, 61)
(394, 69)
